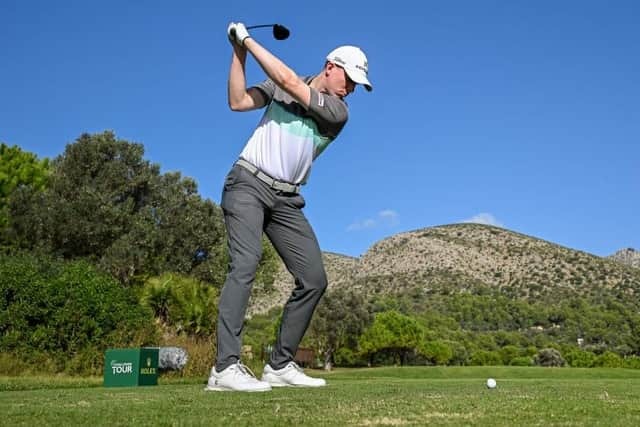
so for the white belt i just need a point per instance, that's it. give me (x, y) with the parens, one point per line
(285, 187)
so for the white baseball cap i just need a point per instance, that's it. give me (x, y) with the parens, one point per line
(354, 62)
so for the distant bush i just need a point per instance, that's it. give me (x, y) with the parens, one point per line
(531, 351)
(508, 353)
(66, 313)
(609, 359)
(436, 352)
(485, 358)
(632, 362)
(581, 359)
(521, 361)
(549, 357)
(460, 353)
(346, 357)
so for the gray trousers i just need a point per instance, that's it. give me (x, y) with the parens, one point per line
(250, 208)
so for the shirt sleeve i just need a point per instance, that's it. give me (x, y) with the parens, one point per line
(330, 112)
(267, 89)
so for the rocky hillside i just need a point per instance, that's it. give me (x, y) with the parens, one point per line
(627, 256)
(462, 257)
(338, 267)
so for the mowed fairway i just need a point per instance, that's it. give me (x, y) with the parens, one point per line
(366, 397)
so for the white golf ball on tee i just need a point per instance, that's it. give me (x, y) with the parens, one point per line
(491, 383)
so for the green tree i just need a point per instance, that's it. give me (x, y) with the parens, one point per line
(394, 333)
(436, 352)
(19, 168)
(340, 318)
(106, 203)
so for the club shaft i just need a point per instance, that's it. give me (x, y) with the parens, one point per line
(259, 26)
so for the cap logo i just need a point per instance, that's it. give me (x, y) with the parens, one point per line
(338, 59)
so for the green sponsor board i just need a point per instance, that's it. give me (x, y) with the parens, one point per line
(131, 367)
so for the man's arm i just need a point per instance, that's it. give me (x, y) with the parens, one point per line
(279, 72)
(241, 98)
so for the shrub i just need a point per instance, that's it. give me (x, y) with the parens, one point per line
(521, 361)
(346, 357)
(436, 352)
(182, 302)
(68, 312)
(531, 351)
(485, 358)
(632, 362)
(549, 357)
(460, 353)
(581, 359)
(508, 353)
(609, 359)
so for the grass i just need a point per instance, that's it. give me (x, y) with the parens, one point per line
(359, 397)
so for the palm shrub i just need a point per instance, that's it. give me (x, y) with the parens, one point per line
(157, 296)
(183, 303)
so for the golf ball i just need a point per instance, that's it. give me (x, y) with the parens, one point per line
(491, 383)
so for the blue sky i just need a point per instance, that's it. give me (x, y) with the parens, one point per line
(523, 114)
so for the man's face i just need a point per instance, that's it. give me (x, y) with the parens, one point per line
(338, 82)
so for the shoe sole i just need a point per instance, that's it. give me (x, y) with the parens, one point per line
(281, 384)
(209, 388)
(297, 385)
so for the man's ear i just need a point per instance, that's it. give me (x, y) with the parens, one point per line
(328, 66)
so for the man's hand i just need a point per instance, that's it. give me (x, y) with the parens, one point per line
(231, 32)
(238, 32)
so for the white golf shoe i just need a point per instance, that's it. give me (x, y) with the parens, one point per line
(236, 377)
(290, 376)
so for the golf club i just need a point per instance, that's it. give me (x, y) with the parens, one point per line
(280, 32)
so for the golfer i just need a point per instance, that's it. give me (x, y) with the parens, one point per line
(262, 194)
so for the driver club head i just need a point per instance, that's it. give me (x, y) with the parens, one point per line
(280, 32)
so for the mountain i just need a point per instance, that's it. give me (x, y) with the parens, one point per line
(627, 256)
(339, 269)
(468, 257)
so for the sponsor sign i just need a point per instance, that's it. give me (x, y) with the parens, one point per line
(131, 367)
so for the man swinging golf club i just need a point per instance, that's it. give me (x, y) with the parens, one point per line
(262, 194)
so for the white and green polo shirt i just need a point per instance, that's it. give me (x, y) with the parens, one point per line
(289, 137)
